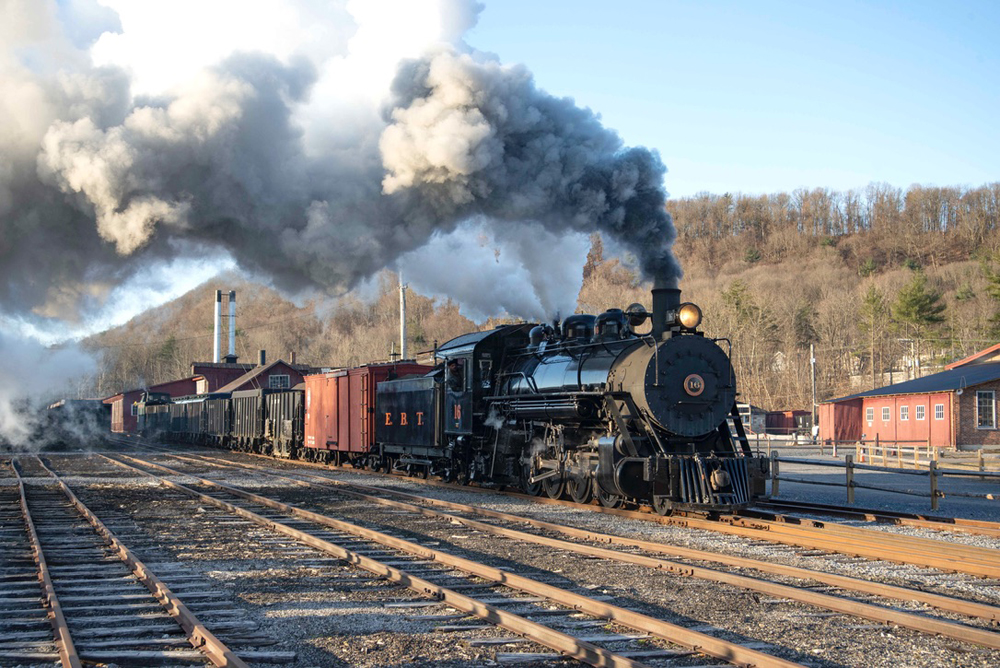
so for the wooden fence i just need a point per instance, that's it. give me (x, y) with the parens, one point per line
(933, 473)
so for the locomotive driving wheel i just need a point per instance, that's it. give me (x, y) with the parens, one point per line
(554, 486)
(530, 488)
(580, 488)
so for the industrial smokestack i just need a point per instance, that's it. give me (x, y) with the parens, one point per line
(232, 324)
(402, 318)
(666, 299)
(218, 326)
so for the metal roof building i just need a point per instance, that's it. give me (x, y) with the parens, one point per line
(956, 407)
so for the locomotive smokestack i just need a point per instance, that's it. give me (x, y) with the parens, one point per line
(218, 325)
(665, 299)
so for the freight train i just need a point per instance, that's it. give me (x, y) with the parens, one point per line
(589, 407)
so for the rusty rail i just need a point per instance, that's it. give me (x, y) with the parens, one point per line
(861, 542)
(68, 656)
(678, 635)
(937, 523)
(858, 609)
(199, 636)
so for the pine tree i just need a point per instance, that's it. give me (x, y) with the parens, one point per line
(917, 310)
(917, 307)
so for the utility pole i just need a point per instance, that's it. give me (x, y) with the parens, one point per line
(402, 317)
(812, 372)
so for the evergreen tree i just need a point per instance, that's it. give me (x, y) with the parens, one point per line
(918, 309)
(802, 326)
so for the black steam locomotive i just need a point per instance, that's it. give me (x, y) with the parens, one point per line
(589, 408)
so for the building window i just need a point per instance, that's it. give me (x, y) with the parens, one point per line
(904, 412)
(986, 410)
(135, 409)
(920, 412)
(870, 414)
(886, 414)
(938, 411)
(278, 382)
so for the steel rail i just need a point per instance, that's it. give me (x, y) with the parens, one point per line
(198, 635)
(939, 523)
(703, 643)
(861, 542)
(68, 656)
(980, 561)
(838, 604)
(543, 635)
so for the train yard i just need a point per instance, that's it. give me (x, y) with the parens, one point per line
(300, 564)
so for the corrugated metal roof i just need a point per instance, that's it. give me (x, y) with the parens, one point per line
(945, 381)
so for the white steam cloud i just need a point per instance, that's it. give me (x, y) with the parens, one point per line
(31, 377)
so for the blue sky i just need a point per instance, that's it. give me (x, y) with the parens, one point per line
(771, 96)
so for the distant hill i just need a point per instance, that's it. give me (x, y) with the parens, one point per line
(772, 274)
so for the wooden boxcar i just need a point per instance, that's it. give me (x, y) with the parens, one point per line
(340, 411)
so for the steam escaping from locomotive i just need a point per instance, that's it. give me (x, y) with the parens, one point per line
(261, 156)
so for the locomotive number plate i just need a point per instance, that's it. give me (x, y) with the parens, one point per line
(694, 385)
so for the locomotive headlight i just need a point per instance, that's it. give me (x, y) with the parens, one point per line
(689, 315)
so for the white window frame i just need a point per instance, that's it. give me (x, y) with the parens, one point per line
(938, 411)
(904, 413)
(921, 412)
(272, 385)
(990, 397)
(135, 409)
(870, 414)
(886, 414)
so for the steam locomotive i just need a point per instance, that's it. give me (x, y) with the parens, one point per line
(588, 408)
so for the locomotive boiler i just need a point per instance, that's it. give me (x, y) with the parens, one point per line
(585, 407)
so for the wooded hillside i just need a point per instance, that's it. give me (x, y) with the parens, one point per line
(877, 280)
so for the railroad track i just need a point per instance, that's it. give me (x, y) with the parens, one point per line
(775, 510)
(829, 537)
(71, 592)
(512, 601)
(587, 542)
(808, 534)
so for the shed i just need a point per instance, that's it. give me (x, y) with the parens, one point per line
(124, 415)
(956, 407)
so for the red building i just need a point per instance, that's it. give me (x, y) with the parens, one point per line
(278, 375)
(956, 407)
(123, 406)
(210, 376)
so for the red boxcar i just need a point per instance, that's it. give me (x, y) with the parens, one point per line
(340, 410)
